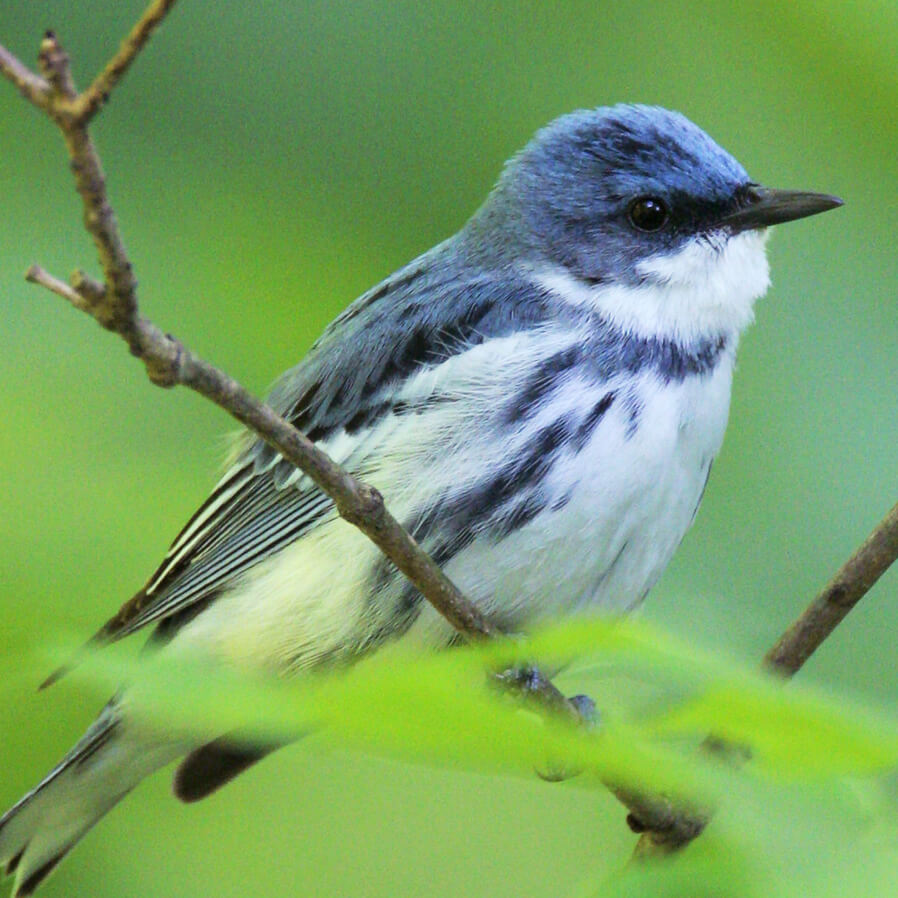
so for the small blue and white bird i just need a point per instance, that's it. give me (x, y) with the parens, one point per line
(539, 399)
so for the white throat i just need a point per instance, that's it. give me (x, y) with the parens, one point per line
(706, 289)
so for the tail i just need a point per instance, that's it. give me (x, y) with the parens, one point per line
(37, 833)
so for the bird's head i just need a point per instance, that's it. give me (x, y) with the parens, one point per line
(637, 212)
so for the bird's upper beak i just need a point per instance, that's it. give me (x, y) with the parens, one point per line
(765, 207)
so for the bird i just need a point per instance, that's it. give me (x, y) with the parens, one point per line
(539, 399)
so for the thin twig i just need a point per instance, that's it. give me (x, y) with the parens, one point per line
(87, 286)
(92, 100)
(118, 310)
(30, 85)
(37, 275)
(54, 65)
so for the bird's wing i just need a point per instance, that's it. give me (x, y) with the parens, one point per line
(347, 382)
(246, 518)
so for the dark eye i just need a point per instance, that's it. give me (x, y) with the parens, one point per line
(648, 213)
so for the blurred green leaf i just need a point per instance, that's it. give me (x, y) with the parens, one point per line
(791, 731)
(441, 709)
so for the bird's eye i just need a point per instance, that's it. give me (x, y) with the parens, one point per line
(648, 213)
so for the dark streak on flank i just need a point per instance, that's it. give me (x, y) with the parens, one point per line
(634, 405)
(561, 501)
(499, 504)
(523, 513)
(447, 527)
(526, 470)
(588, 426)
(483, 507)
(539, 385)
(495, 506)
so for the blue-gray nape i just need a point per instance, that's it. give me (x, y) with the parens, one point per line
(564, 199)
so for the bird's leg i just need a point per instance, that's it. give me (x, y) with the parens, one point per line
(527, 681)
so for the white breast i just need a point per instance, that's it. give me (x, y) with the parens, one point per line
(632, 493)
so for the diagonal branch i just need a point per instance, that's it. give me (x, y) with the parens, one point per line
(93, 99)
(30, 85)
(849, 585)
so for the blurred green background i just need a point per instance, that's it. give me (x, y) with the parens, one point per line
(270, 161)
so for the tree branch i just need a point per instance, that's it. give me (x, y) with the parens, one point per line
(666, 829)
(53, 62)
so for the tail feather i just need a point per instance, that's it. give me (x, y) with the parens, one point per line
(212, 765)
(39, 830)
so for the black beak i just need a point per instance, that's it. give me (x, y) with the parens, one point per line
(764, 207)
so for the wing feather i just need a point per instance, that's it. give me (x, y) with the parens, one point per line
(224, 549)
